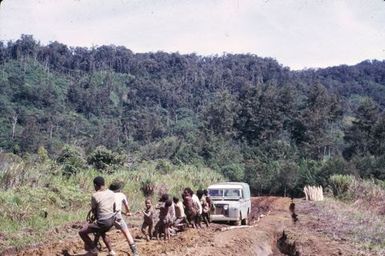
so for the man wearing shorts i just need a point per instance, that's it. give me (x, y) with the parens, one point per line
(120, 200)
(102, 207)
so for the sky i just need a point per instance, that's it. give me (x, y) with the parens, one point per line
(297, 33)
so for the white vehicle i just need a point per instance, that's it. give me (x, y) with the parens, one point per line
(231, 202)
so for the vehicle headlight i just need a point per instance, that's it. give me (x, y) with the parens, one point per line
(225, 207)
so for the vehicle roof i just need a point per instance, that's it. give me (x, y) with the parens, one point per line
(229, 185)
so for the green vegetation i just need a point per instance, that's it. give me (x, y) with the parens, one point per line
(38, 197)
(68, 114)
(243, 116)
(367, 194)
(341, 184)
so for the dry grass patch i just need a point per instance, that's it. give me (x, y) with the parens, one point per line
(345, 222)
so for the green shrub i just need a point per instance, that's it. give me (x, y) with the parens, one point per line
(71, 159)
(42, 153)
(234, 172)
(163, 166)
(102, 159)
(162, 149)
(147, 187)
(335, 165)
(309, 172)
(370, 166)
(341, 184)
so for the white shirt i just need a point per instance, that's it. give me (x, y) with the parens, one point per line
(179, 210)
(120, 199)
(197, 202)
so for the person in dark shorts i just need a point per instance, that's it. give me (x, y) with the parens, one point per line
(209, 202)
(102, 207)
(205, 207)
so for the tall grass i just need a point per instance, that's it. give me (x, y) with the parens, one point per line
(36, 198)
(340, 185)
(368, 194)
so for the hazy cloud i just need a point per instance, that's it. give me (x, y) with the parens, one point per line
(298, 33)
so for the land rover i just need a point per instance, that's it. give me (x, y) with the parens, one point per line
(231, 201)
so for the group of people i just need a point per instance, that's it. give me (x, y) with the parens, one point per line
(166, 218)
(175, 215)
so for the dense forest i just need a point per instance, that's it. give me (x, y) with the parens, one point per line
(244, 116)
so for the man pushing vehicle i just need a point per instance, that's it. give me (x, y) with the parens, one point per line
(102, 207)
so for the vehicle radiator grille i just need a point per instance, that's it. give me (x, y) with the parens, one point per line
(219, 210)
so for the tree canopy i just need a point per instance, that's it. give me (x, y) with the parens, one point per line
(245, 116)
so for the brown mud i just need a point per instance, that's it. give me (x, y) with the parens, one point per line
(271, 232)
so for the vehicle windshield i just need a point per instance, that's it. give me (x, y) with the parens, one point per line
(227, 192)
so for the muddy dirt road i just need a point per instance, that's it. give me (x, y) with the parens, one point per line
(269, 219)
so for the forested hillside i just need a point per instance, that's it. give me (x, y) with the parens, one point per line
(247, 117)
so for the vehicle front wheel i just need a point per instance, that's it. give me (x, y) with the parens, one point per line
(239, 222)
(245, 221)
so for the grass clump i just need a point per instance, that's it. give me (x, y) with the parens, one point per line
(340, 184)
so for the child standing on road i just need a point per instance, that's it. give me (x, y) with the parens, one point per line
(121, 199)
(164, 222)
(196, 204)
(148, 219)
(179, 214)
(190, 210)
(205, 207)
(209, 202)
